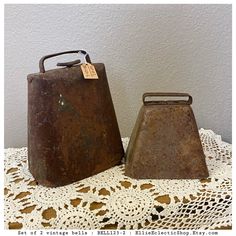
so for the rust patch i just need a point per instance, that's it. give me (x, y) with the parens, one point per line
(70, 122)
(165, 142)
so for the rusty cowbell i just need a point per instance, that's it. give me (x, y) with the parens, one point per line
(165, 142)
(72, 126)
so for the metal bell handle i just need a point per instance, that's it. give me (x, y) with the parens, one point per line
(168, 102)
(69, 64)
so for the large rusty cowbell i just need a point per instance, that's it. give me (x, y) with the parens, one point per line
(72, 126)
(165, 142)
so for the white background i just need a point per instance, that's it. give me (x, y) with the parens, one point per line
(177, 48)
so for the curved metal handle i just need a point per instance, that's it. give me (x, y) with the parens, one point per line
(165, 102)
(41, 62)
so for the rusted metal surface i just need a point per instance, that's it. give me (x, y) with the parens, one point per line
(72, 126)
(165, 142)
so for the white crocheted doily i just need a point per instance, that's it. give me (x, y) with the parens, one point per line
(111, 200)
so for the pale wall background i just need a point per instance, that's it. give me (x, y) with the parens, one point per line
(181, 48)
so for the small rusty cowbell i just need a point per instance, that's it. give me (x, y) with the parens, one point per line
(165, 142)
(72, 126)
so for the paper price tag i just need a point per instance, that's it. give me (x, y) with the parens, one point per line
(89, 71)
